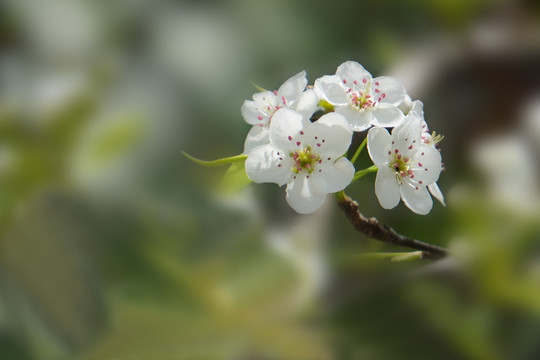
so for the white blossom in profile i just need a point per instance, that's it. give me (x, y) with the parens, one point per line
(306, 156)
(431, 139)
(259, 111)
(364, 101)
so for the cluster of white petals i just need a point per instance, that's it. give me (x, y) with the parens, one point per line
(260, 111)
(363, 101)
(285, 147)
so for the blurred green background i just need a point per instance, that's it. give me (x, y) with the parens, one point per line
(114, 246)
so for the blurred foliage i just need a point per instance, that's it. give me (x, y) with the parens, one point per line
(112, 245)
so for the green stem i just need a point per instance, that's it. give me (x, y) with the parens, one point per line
(359, 174)
(359, 150)
(340, 195)
(326, 106)
(218, 162)
(392, 256)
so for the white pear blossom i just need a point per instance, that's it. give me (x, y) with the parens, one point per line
(362, 100)
(406, 165)
(306, 156)
(259, 111)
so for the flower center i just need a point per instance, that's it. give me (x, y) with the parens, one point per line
(401, 165)
(304, 160)
(362, 96)
(361, 100)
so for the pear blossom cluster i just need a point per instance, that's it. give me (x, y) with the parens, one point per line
(288, 145)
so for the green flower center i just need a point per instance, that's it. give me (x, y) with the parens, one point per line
(401, 166)
(304, 160)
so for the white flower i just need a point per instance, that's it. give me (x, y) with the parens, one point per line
(406, 165)
(305, 156)
(363, 101)
(259, 111)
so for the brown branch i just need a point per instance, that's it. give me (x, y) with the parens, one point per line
(375, 230)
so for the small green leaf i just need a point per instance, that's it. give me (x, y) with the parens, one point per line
(235, 178)
(260, 88)
(223, 161)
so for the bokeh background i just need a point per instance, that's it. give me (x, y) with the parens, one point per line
(114, 246)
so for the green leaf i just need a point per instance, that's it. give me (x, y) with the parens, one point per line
(223, 161)
(235, 178)
(260, 88)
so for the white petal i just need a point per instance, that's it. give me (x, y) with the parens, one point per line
(393, 90)
(406, 105)
(436, 192)
(427, 166)
(379, 143)
(387, 188)
(418, 107)
(351, 71)
(265, 99)
(285, 129)
(250, 112)
(330, 88)
(263, 165)
(408, 134)
(358, 120)
(387, 115)
(257, 136)
(329, 136)
(305, 195)
(336, 175)
(293, 87)
(416, 198)
(307, 103)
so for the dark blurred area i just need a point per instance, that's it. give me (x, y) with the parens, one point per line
(114, 246)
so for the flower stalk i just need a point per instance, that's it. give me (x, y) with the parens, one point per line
(375, 230)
